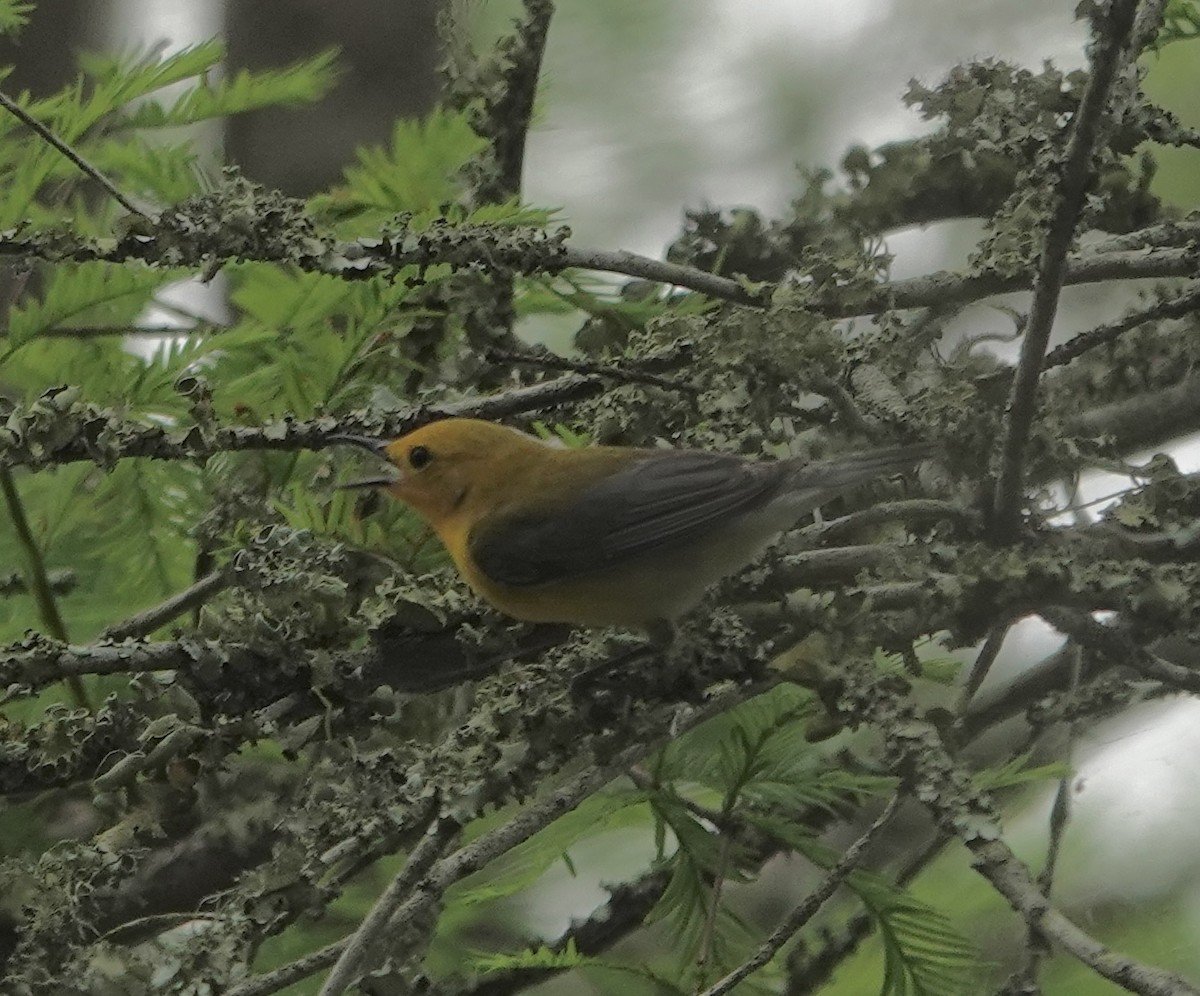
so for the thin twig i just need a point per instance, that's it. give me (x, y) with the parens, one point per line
(983, 664)
(145, 623)
(844, 403)
(36, 577)
(352, 962)
(452, 868)
(1061, 810)
(1114, 643)
(1011, 878)
(1036, 948)
(916, 747)
(17, 111)
(524, 825)
(626, 910)
(630, 264)
(624, 371)
(292, 972)
(100, 331)
(809, 907)
(911, 510)
(1184, 303)
(1113, 28)
(630, 902)
(809, 974)
(708, 931)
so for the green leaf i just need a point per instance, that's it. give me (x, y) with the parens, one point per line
(284, 299)
(923, 954)
(145, 511)
(166, 172)
(943, 670)
(545, 958)
(302, 82)
(1181, 22)
(541, 957)
(758, 755)
(525, 864)
(1015, 772)
(130, 77)
(14, 15)
(415, 174)
(81, 295)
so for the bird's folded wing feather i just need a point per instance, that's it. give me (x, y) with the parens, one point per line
(652, 504)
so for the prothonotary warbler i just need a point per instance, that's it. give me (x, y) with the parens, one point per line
(603, 535)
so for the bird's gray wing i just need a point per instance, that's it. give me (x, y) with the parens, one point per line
(658, 501)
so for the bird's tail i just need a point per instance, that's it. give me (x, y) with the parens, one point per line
(811, 484)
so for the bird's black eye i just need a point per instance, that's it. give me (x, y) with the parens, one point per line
(419, 457)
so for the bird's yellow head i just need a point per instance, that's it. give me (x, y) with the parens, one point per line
(438, 468)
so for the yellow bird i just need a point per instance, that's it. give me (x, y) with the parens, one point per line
(603, 535)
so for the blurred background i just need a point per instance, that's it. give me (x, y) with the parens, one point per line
(650, 108)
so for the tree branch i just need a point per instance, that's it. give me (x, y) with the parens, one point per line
(1011, 878)
(51, 433)
(914, 750)
(292, 972)
(630, 264)
(507, 113)
(910, 510)
(1060, 814)
(1145, 419)
(356, 950)
(1182, 304)
(446, 871)
(533, 251)
(1114, 643)
(1112, 25)
(984, 660)
(814, 970)
(640, 371)
(145, 623)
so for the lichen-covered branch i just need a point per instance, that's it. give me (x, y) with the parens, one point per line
(59, 429)
(915, 753)
(356, 949)
(200, 235)
(1186, 302)
(145, 623)
(407, 903)
(1112, 25)
(1145, 419)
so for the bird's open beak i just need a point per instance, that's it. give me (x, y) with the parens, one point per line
(376, 446)
(382, 481)
(390, 475)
